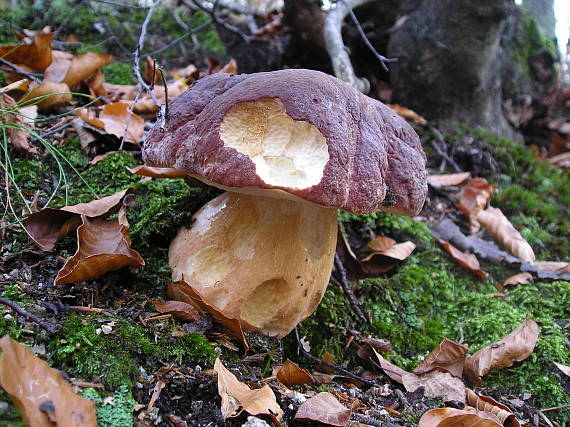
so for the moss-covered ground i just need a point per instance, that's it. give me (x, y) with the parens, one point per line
(426, 298)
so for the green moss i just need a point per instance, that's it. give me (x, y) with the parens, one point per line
(117, 357)
(10, 418)
(117, 414)
(119, 73)
(209, 37)
(27, 173)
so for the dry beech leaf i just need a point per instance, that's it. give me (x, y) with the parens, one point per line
(236, 394)
(487, 404)
(565, 369)
(399, 251)
(561, 160)
(47, 226)
(518, 279)
(151, 73)
(516, 346)
(40, 393)
(468, 261)
(380, 244)
(474, 198)
(179, 309)
(102, 246)
(436, 384)
(82, 66)
(450, 417)
(113, 119)
(47, 95)
(182, 291)
(501, 228)
(449, 356)
(36, 55)
(25, 116)
(158, 172)
(324, 408)
(367, 352)
(291, 374)
(556, 266)
(58, 68)
(408, 114)
(450, 179)
(19, 85)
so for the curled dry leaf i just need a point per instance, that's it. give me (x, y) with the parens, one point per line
(468, 261)
(561, 160)
(236, 394)
(324, 408)
(436, 384)
(501, 228)
(47, 226)
(487, 404)
(179, 309)
(72, 70)
(449, 356)
(102, 246)
(556, 266)
(182, 291)
(565, 369)
(398, 251)
(291, 374)
(516, 346)
(450, 417)
(40, 393)
(474, 198)
(450, 179)
(35, 55)
(518, 279)
(114, 119)
(23, 117)
(367, 352)
(47, 95)
(143, 170)
(408, 114)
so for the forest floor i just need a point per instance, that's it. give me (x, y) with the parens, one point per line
(143, 367)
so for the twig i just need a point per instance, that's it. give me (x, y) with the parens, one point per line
(108, 27)
(82, 309)
(556, 408)
(41, 323)
(442, 153)
(224, 23)
(18, 70)
(356, 306)
(68, 18)
(51, 132)
(332, 32)
(331, 365)
(177, 40)
(383, 60)
(128, 6)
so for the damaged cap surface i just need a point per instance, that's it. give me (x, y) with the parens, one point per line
(300, 133)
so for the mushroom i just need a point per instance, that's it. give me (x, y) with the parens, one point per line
(289, 147)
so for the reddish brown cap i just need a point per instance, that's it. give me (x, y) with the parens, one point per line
(300, 132)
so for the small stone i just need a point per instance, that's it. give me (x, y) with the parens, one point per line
(106, 329)
(98, 331)
(40, 349)
(8, 316)
(255, 422)
(298, 398)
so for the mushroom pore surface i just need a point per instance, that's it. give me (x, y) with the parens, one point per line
(261, 260)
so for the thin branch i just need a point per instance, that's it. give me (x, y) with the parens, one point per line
(224, 23)
(51, 132)
(68, 18)
(441, 152)
(41, 323)
(356, 306)
(179, 39)
(237, 8)
(331, 365)
(107, 27)
(383, 60)
(127, 6)
(18, 70)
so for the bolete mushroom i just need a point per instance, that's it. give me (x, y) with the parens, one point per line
(289, 147)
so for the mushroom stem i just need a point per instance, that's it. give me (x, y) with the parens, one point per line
(264, 261)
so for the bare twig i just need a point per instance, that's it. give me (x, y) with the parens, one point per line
(127, 6)
(383, 60)
(332, 31)
(108, 27)
(237, 8)
(356, 306)
(331, 365)
(440, 151)
(15, 69)
(68, 17)
(224, 23)
(556, 408)
(51, 132)
(41, 323)
(179, 39)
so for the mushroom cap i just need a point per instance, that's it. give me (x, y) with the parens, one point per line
(294, 133)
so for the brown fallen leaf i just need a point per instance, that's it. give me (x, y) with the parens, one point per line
(151, 74)
(40, 393)
(398, 251)
(561, 160)
(113, 119)
(518, 279)
(158, 172)
(328, 358)
(468, 261)
(450, 179)
(501, 228)
(565, 369)
(449, 356)
(474, 198)
(324, 408)
(408, 114)
(451, 417)
(23, 117)
(70, 70)
(291, 374)
(556, 266)
(514, 347)
(367, 352)
(47, 226)
(102, 246)
(47, 95)
(35, 55)
(436, 384)
(488, 404)
(182, 291)
(179, 309)
(236, 394)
